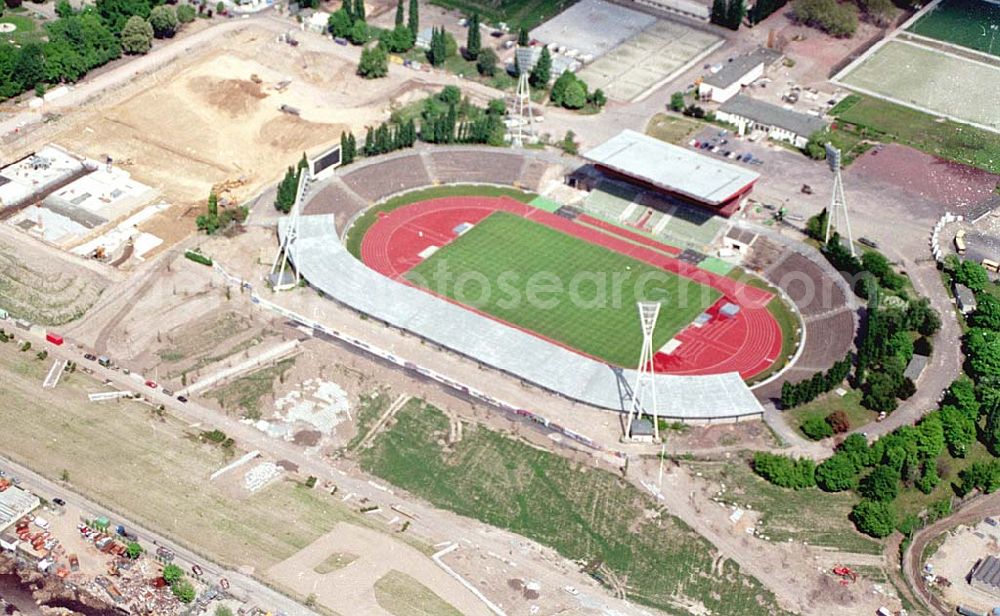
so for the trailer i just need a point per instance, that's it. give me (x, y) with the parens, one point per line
(54, 338)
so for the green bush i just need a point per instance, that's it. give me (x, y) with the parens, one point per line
(197, 257)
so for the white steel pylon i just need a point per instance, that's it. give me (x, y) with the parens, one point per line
(521, 118)
(285, 270)
(838, 202)
(645, 386)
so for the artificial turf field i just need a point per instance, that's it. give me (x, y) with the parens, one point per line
(506, 251)
(969, 23)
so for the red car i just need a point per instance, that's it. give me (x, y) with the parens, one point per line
(151, 384)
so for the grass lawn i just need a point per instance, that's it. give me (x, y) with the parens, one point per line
(820, 518)
(884, 121)
(516, 13)
(401, 595)
(505, 251)
(245, 393)
(356, 233)
(586, 514)
(850, 403)
(672, 129)
(28, 30)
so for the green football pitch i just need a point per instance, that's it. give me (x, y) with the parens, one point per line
(548, 282)
(970, 23)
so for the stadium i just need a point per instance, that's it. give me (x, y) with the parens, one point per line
(457, 247)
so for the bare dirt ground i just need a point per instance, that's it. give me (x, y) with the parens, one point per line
(350, 590)
(796, 573)
(962, 548)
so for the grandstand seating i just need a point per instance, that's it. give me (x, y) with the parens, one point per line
(532, 174)
(807, 285)
(827, 340)
(387, 177)
(479, 166)
(337, 199)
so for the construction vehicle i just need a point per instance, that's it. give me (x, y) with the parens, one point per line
(846, 574)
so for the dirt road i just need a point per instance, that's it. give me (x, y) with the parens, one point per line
(972, 510)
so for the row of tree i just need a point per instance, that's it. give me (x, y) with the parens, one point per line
(388, 137)
(288, 188)
(728, 13)
(796, 394)
(79, 41)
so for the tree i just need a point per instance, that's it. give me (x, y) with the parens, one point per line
(576, 96)
(438, 51)
(30, 66)
(816, 225)
(882, 484)
(413, 19)
(64, 475)
(677, 101)
(473, 43)
(837, 473)
(359, 10)
(222, 610)
(877, 519)
(928, 479)
(374, 62)
(982, 347)
(172, 574)
(360, 34)
(568, 143)
(186, 13)
(340, 23)
(735, 13)
(720, 9)
(784, 471)
(133, 550)
(839, 422)
(397, 40)
(287, 189)
(486, 64)
(987, 312)
(63, 8)
(880, 392)
(183, 590)
(922, 318)
(137, 36)
(816, 428)
(972, 275)
(597, 98)
(163, 19)
(879, 12)
(522, 37)
(400, 18)
(836, 19)
(542, 71)
(116, 13)
(962, 394)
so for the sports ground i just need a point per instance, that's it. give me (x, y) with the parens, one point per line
(970, 23)
(573, 280)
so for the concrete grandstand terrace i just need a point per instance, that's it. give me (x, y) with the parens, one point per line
(748, 342)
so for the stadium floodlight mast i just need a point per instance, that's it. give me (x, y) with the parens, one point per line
(838, 202)
(521, 121)
(285, 271)
(645, 385)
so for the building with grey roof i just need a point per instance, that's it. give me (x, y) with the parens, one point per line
(738, 72)
(15, 503)
(915, 367)
(681, 172)
(965, 298)
(324, 261)
(780, 124)
(986, 576)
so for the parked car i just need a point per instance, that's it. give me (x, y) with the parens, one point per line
(167, 392)
(151, 384)
(89, 356)
(59, 502)
(182, 399)
(867, 242)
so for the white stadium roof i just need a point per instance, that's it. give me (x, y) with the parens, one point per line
(670, 167)
(324, 261)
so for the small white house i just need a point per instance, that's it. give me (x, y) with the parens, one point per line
(780, 124)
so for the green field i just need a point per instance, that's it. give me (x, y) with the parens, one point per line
(828, 403)
(356, 232)
(28, 31)
(502, 254)
(817, 517)
(968, 23)
(672, 129)
(586, 514)
(516, 13)
(883, 121)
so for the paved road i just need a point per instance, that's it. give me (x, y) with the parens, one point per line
(241, 586)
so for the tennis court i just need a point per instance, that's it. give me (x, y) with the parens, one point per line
(970, 23)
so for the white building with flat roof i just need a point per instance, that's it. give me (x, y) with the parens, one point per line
(16, 503)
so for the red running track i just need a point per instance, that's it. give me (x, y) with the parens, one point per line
(747, 343)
